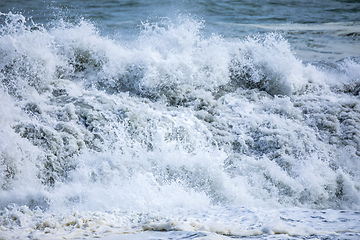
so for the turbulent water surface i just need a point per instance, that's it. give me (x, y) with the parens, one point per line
(180, 119)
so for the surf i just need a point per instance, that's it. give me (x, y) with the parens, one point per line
(100, 132)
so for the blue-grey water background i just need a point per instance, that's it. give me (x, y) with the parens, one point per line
(180, 119)
(326, 29)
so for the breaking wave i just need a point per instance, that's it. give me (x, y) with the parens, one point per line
(172, 120)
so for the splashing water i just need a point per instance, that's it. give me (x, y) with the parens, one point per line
(108, 136)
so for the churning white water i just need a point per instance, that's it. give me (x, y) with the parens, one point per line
(174, 131)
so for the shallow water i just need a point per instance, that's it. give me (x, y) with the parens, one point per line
(186, 120)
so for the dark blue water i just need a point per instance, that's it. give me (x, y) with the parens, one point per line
(112, 12)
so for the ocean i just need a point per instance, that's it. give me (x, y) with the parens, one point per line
(184, 119)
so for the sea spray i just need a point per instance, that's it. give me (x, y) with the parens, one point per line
(98, 132)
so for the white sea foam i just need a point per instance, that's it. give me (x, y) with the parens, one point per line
(103, 136)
